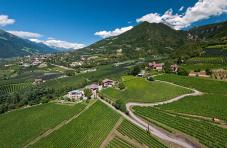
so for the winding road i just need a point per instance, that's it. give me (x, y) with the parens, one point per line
(153, 129)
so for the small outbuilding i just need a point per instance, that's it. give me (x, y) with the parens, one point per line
(156, 66)
(107, 83)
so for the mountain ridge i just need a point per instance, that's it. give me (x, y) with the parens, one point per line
(13, 46)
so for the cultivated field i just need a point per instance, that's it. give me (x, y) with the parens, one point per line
(208, 134)
(13, 87)
(88, 130)
(118, 142)
(21, 126)
(206, 105)
(201, 84)
(141, 90)
(133, 132)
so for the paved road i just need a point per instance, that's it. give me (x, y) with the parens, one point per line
(63, 67)
(154, 130)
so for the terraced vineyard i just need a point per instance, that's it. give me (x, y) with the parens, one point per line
(13, 87)
(201, 84)
(88, 130)
(206, 105)
(133, 132)
(208, 134)
(21, 126)
(117, 142)
(207, 60)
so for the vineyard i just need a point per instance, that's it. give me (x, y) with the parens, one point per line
(201, 84)
(193, 67)
(216, 50)
(141, 90)
(21, 126)
(117, 142)
(207, 60)
(13, 87)
(88, 130)
(206, 105)
(133, 132)
(207, 134)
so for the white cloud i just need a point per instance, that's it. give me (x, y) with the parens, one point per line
(59, 43)
(24, 34)
(118, 31)
(5, 20)
(181, 8)
(203, 9)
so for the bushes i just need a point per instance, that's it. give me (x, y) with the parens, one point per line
(121, 86)
(88, 93)
(182, 72)
(120, 105)
(30, 96)
(70, 72)
(135, 71)
(150, 79)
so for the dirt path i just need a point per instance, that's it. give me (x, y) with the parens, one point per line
(58, 126)
(111, 134)
(180, 141)
(154, 130)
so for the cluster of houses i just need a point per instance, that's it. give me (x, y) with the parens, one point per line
(36, 60)
(160, 66)
(76, 95)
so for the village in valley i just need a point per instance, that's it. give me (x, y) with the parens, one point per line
(82, 80)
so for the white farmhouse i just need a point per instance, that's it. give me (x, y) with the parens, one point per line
(75, 95)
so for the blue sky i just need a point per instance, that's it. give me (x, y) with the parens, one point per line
(77, 21)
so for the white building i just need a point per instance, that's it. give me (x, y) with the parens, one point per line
(74, 64)
(75, 95)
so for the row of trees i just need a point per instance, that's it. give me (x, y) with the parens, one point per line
(30, 96)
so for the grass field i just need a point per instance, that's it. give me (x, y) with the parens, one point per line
(20, 126)
(88, 130)
(206, 105)
(141, 90)
(201, 84)
(133, 132)
(208, 134)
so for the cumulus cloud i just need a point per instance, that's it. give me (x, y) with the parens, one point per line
(118, 31)
(5, 20)
(203, 9)
(24, 34)
(59, 43)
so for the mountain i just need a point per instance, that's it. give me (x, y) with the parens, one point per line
(13, 46)
(212, 32)
(145, 38)
(160, 39)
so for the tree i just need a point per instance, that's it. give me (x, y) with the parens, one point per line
(70, 72)
(121, 86)
(208, 71)
(88, 93)
(167, 67)
(182, 72)
(136, 70)
(120, 105)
